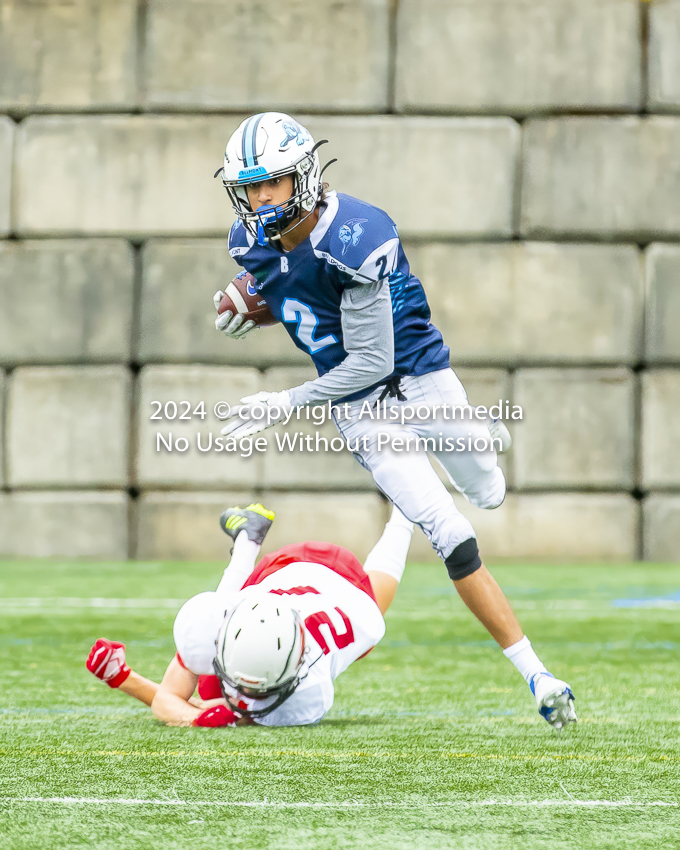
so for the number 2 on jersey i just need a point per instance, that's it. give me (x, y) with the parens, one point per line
(315, 621)
(293, 310)
(382, 263)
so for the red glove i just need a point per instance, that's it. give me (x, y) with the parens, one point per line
(107, 662)
(218, 715)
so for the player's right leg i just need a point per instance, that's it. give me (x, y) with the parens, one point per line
(387, 559)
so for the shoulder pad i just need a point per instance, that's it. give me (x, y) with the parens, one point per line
(360, 236)
(240, 241)
(195, 630)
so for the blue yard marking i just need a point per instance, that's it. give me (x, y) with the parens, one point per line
(606, 646)
(670, 601)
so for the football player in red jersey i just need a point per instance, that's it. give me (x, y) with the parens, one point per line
(266, 646)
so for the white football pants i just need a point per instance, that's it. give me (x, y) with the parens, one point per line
(407, 477)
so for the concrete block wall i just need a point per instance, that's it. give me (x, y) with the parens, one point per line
(530, 155)
(7, 130)
(601, 178)
(318, 54)
(68, 426)
(518, 57)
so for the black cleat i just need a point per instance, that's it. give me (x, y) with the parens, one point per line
(255, 520)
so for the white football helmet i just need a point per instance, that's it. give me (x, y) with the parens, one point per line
(269, 145)
(260, 650)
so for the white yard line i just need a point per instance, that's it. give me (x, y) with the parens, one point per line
(59, 604)
(31, 603)
(351, 804)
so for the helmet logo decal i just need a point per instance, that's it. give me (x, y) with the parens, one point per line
(351, 232)
(294, 132)
(249, 175)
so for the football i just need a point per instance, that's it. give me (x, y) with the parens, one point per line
(242, 296)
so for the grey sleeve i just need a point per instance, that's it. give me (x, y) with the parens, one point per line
(368, 337)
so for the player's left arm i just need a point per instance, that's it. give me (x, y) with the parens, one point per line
(172, 705)
(368, 338)
(367, 328)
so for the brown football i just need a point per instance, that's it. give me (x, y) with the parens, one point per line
(242, 296)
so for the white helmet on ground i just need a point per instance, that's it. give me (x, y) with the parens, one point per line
(269, 145)
(260, 650)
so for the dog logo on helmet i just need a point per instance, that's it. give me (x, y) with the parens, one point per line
(351, 232)
(294, 132)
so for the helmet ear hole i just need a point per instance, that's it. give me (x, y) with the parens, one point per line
(242, 194)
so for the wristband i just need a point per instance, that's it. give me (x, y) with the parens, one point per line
(120, 677)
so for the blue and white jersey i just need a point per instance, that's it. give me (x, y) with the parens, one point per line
(353, 243)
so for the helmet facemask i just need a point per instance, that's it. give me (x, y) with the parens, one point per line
(269, 221)
(247, 684)
(281, 692)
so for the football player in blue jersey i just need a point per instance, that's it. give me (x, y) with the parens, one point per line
(332, 268)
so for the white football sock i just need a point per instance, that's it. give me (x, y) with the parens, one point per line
(525, 659)
(389, 553)
(241, 565)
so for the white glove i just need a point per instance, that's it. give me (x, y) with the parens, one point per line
(256, 413)
(231, 325)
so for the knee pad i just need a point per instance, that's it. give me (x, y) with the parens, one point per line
(464, 560)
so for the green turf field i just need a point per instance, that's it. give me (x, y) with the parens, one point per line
(433, 741)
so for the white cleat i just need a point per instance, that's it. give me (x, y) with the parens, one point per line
(555, 700)
(498, 431)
